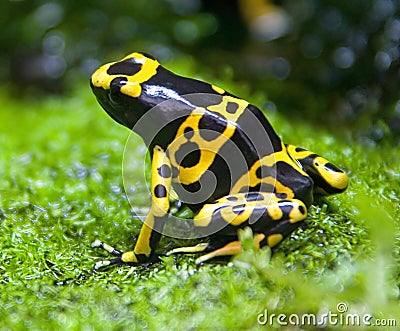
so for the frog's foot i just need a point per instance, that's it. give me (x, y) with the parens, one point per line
(189, 249)
(232, 248)
(228, 249)
(200, 248)
(121, 257)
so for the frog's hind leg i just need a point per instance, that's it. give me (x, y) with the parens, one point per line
(328, 178)
(270, 217)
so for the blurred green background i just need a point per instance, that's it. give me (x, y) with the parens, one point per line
(333, 62)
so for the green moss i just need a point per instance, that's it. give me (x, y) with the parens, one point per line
(61, 188)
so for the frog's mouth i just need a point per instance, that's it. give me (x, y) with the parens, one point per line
(106, 104)
(116, 119)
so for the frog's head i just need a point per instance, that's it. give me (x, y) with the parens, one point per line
(118, 87)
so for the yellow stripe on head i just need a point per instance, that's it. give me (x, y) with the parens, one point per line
(103, 76)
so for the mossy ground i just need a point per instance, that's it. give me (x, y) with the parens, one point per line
(61, 188)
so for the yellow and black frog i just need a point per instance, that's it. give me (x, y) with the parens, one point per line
(220, 155)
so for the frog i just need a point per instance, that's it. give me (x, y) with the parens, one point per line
(196, 133)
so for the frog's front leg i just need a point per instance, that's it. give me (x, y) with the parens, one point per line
(328, 178)
(271, 219)
(150, 232)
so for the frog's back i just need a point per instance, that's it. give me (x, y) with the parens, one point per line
(210, 135)
(217, 142)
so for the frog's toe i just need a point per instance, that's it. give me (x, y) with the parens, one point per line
(121, 257)
(103, 264)
(99, 244)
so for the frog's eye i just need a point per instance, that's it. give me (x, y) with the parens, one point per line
(115, 89)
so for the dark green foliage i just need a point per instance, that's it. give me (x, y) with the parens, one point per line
(340, 57)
